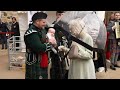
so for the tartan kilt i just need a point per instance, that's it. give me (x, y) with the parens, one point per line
(58, 69)
(114, 48)
(34, 71)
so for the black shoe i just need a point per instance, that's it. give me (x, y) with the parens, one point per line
(112, 67)
(116, 66)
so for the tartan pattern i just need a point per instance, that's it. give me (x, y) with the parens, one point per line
(34, 71)
(58, 69)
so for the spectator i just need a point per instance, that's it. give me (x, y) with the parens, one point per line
(112, 17)
(114, 47)
(3, 35)
(16, 31)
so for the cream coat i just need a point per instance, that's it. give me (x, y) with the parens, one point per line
(83, 68)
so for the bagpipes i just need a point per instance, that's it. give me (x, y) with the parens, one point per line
(71, 37)
(61, 63)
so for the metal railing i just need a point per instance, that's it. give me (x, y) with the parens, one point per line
(16, 52)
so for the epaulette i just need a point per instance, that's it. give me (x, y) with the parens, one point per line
(30, 31)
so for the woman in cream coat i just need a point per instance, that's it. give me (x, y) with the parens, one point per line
(82, 68)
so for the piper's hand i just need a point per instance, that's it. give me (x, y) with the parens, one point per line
(62, 48)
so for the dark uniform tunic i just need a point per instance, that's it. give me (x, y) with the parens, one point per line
(35, 43)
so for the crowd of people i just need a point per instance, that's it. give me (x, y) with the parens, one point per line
(113, 43)
(46, 57)
(49, 53)
(83, 66)
(6, 32)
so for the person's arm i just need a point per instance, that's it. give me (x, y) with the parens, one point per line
(85, 53)
(35, 43)
(109, 26)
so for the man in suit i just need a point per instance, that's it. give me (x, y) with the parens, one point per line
(15, 29)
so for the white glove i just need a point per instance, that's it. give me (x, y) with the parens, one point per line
(63, 48)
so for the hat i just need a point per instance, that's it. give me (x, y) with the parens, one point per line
(39, 15)
(60, 11)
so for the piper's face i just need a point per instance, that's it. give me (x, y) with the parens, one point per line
(41, 23)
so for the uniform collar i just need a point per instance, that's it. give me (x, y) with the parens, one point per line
(36, 28)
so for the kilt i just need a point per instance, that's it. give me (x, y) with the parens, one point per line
(58, 69)
(114, 48)
(34, 71)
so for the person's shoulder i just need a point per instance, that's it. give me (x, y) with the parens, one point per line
(17, 23)
(89, 37)
(111, 22)
(30, 31)
(3, 23)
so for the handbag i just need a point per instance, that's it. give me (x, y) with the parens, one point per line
(74, 52)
